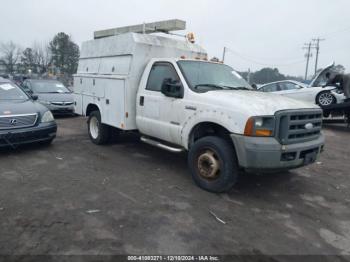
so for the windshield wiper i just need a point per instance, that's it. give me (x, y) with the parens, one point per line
(237, 87)
(209, 85)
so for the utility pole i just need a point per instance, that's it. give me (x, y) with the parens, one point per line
(223, 55)
(307, 55)
(317, 46)
(248, 76)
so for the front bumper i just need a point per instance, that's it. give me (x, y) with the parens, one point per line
(340, 97)
(61, 110)
(267, 154)
(41, 133)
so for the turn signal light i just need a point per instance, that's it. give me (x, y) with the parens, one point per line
(249, 127)
(263, 132)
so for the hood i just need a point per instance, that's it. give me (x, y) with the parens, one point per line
(255, 103)
(316, 80)
(55, 97)
(20, 107)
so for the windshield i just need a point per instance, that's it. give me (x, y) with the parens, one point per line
(204, 76)
(48, 87)
(9, 91)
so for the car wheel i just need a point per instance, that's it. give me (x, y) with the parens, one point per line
(213, 164)
(98, 132)
(325, 99)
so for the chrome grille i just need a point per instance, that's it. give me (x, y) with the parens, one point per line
(17, 121)
(297, 126)
(62, 103)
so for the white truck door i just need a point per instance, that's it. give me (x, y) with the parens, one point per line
(157, 114)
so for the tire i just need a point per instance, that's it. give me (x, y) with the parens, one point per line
(98, 132)
(325, 98)
(213, 164)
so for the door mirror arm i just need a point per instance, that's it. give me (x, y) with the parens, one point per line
(34, 97)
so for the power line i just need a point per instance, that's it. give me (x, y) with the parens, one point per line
(336, 32)
(226, 49)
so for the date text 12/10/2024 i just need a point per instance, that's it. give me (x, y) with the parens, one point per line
(173, 258)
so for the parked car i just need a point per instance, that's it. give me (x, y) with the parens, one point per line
(51, 93)
(314, 93)
(22, 119)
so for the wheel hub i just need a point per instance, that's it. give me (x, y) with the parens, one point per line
(208, 165)
(326, 99)
(94, 127)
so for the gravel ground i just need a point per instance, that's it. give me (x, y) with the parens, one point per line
(76, 198)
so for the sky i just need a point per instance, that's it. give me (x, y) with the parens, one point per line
(257, 33)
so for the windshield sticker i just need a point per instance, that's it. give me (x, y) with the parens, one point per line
(236, 74)
(59, 85)
(6, 87)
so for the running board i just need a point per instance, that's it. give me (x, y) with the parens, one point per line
(160, 145)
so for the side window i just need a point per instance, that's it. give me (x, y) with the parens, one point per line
(270, 88)
(288, 86)
(25, 86)
(160, 72)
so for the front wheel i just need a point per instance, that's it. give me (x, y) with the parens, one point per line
(98, 132)
(325, 99)
(213, 164)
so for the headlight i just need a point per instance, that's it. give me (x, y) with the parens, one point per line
(47, 117)
(260, 126)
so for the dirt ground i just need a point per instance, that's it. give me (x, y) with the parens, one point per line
(129, 198)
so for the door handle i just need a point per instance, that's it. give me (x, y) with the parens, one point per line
(142, 100)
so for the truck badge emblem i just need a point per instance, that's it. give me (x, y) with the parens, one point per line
(309, 126)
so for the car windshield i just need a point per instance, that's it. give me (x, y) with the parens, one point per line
(48, 87)
(205, 76)
(9, 91)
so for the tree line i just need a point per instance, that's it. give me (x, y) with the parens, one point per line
(58, 57)
(268, 75)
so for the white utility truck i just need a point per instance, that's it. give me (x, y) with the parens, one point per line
(165, 89)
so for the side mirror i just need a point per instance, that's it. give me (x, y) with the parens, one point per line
(172, 88)
(34, 97)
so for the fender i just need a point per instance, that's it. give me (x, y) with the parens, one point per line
(215, 116)
(92, 104)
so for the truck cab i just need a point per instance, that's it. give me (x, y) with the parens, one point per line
(179, 101)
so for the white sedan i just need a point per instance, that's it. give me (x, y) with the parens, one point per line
(313, 93)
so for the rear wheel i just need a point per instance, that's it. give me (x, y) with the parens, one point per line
(325, 99)
(98, 132)
(213, 164)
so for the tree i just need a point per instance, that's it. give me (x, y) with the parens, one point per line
(339, 69)
(9, 56)
(28, 60)
(65, 53)
(267, 75)
(42, 56)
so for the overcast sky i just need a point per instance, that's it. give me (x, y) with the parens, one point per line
(259, 33)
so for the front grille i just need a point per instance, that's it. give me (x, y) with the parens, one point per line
(297, 126)
(17, 121)
(62, 103)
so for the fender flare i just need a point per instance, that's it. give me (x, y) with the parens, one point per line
(208, 116)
